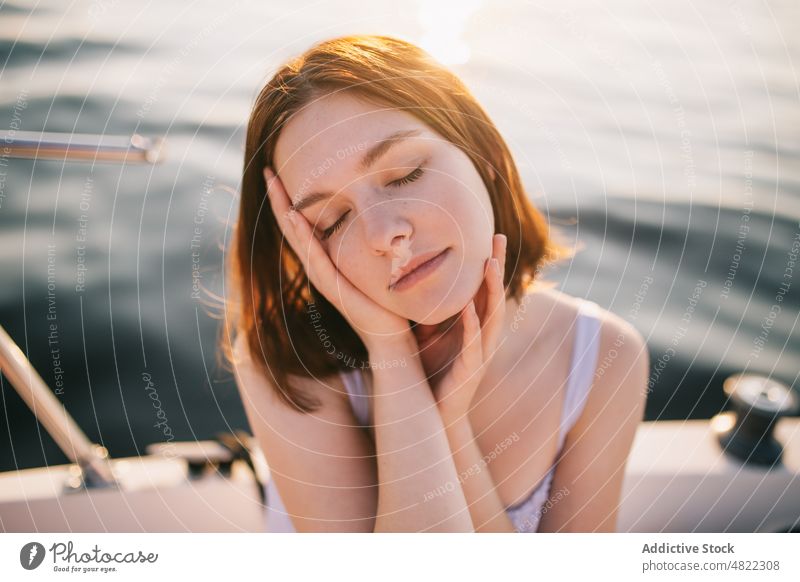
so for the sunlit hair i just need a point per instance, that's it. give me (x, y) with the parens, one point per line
(269, 298)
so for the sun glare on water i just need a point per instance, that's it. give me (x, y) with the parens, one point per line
(444, 22)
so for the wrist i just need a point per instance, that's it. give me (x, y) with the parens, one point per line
(397, 346)
(456, 421)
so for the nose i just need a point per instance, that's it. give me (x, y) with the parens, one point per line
(385, 228)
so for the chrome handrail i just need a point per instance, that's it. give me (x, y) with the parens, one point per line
(82, 147)
(90, 457)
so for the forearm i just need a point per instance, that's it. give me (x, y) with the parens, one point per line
(485, 507)
(413, 453)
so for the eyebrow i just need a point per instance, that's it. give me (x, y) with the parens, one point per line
(372, 155)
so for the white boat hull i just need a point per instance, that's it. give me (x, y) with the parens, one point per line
(677, 480)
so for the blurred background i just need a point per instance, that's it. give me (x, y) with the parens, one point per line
(663, 137)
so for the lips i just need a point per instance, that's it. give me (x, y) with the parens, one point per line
(408, 271)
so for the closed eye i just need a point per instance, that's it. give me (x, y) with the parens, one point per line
(328, 232)
(416, 174)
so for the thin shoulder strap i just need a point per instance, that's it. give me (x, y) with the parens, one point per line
(357, 393)
(582, 367)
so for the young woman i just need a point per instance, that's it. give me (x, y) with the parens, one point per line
(399, 363)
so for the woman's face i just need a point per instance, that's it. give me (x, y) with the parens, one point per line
(393, 192)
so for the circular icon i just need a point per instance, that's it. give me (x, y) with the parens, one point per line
(31, 555)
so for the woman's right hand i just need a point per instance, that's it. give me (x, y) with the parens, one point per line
(376, 326)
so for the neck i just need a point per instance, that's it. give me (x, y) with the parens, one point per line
(424, 332)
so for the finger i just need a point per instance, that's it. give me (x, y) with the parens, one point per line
(498, 252)
(496, 245)
(286, 217)
(471, 357)
(496, 308)
(318, 266)
(502, 257)
(278, 198)
(280, 203)
(292, 223)
(499, 244)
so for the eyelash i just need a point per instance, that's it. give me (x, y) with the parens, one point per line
(413, 176)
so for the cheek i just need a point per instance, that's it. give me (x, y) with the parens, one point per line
(465, 200)
(338, 255)
(464, 223)
(347, 255)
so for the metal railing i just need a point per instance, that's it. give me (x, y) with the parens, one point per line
(82, 147)
(90, 457)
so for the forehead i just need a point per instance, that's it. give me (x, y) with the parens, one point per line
(331, 135)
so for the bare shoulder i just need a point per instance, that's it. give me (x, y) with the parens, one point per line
(622, 356)
(596, 448)
(321, 461)
(619, 381)
(279, 425)
(537, 343)
(622, 361)
(546, 312)
(254, 383)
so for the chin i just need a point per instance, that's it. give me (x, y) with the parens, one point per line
(435, 317)
(436, 311)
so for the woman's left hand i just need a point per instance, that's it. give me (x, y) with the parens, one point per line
(480, 334)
